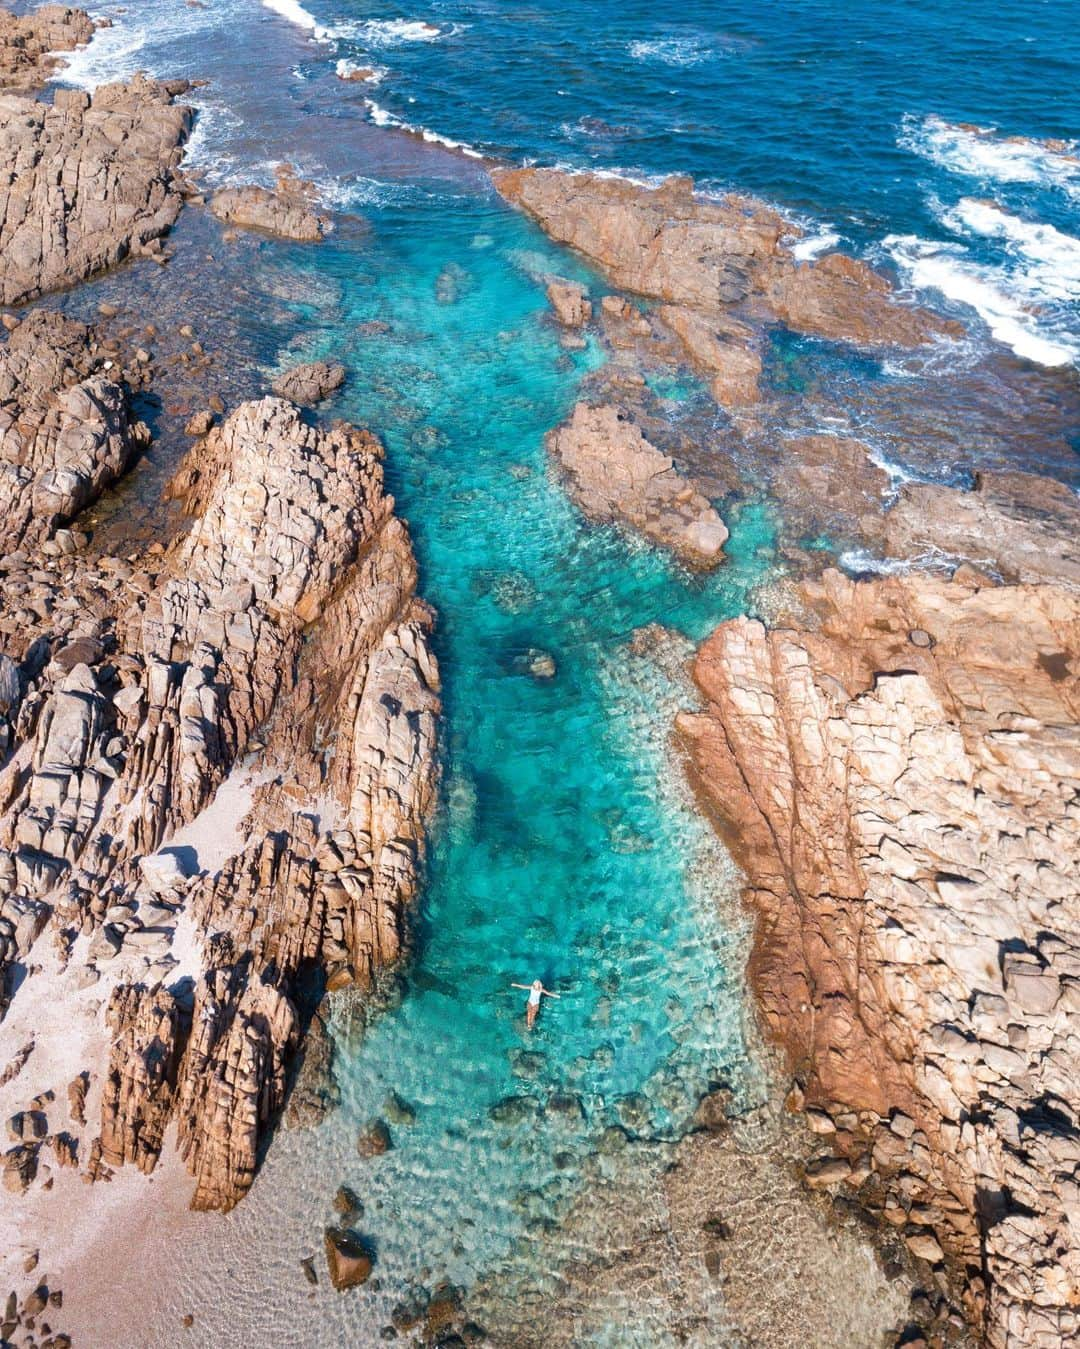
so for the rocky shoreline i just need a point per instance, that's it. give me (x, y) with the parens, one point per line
(892, 762)
(220, 755)
(220, 750)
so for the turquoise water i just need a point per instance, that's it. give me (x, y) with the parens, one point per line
(566, 849)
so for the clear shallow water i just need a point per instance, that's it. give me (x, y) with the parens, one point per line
(567, 848)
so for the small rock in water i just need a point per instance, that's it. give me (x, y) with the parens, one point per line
(348, 1204)
(540, 664)
(374, 1140)
(513, 1109)
(398, 1111)
(348, 1257)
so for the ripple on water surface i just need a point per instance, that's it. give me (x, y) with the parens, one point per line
(567, 848)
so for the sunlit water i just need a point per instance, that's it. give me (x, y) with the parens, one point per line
(566, 847)
(565, 851)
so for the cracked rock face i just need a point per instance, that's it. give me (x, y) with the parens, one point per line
(84, 182)
(616, 476)
(704, 256)
(272, 670)
(28, 43)
(65, 428)
(898, 777)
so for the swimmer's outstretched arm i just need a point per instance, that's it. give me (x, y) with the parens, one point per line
(525, 986)
(548, 993)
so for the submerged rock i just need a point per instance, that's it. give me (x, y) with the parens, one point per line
(374, 1139)
(349, 1258)
(310, 383)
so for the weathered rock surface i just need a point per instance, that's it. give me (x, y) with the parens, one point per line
(898, 777)
(616, 476)
(85, 183)
(830, 484)
(29, 43)
(570, 301)
(667, 244)
(66, 430)
(309, 383)
(1024, 527)
(282, 629)
(285, 214)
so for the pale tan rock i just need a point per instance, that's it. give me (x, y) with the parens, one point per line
(116, 154)
(1023, 526)
(29, 43)
(905, 814)
(280, 213)
(616, 476)
(286, 608)
(570, 301)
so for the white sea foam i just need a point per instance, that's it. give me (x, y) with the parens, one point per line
(861, 560)
(295, 13)
(391, 32)
(947, 268)
(1050, 259)
(979, 152)
(383, 117)
(345, 69)
(117, 52)
(670, 51)
(808, 248)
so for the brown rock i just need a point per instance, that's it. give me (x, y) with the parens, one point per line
(669, 245)
(309, 383)
(120, 151)
(374, 1139)
(570, 301)
(199, 423)
(615, 475)
(348, 1258)
(1025, 527)
(29, 43)
(902, 813)
(286, 215)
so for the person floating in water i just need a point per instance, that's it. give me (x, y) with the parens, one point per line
(532, 1007)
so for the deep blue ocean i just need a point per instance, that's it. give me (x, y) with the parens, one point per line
(935, 139)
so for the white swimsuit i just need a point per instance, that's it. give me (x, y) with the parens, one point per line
(534, 997)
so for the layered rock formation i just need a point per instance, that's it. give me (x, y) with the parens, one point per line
(702, 258)
(86, 182)
(263, 694)
(29, 43)
(66, 430)
(616, 476)
(898, 776)
(286, 214)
